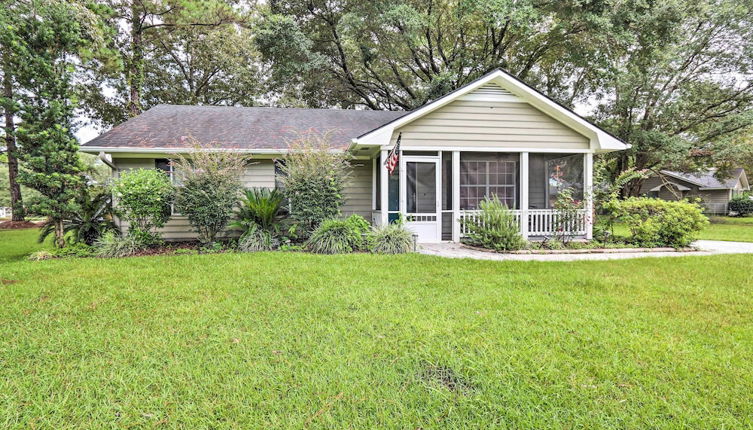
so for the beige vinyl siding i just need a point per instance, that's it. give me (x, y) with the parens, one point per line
(259, 173)
(358, 190)
(490, 124)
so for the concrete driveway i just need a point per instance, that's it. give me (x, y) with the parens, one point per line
(705, 247)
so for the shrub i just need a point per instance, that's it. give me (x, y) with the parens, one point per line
(391, 239)
(209, 187)
(567, 208)
(741, 205)
(143, 199)
(75, 249)
(655, 222)
(257, 239)
(92, 218)
(494, 228)
(334, 236)
(259, 207)
(362, 228)
(313, 178)
(111, 245)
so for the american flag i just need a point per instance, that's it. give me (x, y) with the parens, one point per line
(394, 156)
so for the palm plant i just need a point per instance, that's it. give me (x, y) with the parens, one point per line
(259, 208)
(92, 219)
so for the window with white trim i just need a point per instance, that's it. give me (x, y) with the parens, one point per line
(167, 166)
(482, 178)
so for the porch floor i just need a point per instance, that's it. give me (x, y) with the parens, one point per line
(705, 247)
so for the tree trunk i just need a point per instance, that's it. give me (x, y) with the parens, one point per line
(136, 63)
(59, 233)
(16, 201)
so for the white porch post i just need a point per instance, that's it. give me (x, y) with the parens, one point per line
(524, 195)
(588, 180)
(456, 196)
(384, 191)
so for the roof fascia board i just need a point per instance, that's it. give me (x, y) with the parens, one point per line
(599, 140)
(676, 176)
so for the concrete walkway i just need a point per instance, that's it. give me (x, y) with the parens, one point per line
(705, 247)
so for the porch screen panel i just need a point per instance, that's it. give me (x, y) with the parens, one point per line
(482, 178)
(548, 174)
(421, 187)
(564, 173)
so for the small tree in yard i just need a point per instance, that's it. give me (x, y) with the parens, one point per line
(209, 188)
(143, 199)
(314, 177)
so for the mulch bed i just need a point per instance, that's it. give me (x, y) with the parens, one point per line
(15, 225)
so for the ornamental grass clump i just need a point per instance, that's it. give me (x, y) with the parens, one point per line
(495, 227)
(391, 239)
(334, 236)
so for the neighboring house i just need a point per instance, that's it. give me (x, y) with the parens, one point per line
(715, 193)
(6, 212)
(495, 135)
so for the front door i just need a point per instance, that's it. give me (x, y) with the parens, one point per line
(420, 193)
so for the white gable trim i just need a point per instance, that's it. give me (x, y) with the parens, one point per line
(512, 89)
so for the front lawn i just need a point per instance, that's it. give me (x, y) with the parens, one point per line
(363, 341)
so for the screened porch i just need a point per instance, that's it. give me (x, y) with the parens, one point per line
(435, 191)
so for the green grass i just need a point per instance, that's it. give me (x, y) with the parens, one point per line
(362, 341)
(721, 228)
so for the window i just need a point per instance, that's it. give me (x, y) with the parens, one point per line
(166, 166)
(479, 179)
(279, 174)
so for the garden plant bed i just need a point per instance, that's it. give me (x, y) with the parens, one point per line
(584, 251)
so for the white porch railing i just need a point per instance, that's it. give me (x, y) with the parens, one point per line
(541, 222)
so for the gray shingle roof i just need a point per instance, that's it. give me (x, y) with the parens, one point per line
(708, 180)
(168, 126)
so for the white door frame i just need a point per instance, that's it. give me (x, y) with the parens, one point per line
(438, 194)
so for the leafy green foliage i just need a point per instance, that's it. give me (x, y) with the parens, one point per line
(656, 222)
(741, 205)
(40, 47)
(75, 250)
(259, 207)
(92, 218)
(143, 198)
(314, 178)
(393, 238)
(209, 187)
(334, 236)
(495, 227)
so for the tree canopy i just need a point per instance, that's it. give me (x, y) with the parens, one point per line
(671, 78)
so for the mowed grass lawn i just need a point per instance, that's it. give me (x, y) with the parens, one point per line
(361, 341)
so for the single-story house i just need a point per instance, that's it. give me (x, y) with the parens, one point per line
(715, 193)
(495, 135)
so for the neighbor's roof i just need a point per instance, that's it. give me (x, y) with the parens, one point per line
(707, 179)
(245, 128)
